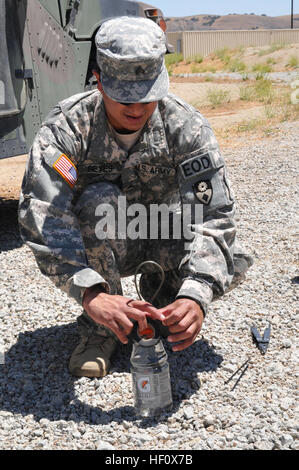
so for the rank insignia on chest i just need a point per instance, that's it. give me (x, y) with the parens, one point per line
(203, 191)
(65, 167)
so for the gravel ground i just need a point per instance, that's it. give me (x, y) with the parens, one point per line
(43, 407)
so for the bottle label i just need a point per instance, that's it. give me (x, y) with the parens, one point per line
(152, 388)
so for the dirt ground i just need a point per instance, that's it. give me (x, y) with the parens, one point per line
(197, 93)
(11, 175)
(224, 116)
(279, 58)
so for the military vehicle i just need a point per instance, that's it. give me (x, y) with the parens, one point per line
(47, 54)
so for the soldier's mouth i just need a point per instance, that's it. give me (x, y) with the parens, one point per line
(134, 119)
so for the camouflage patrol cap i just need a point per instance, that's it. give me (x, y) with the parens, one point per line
(130, 55)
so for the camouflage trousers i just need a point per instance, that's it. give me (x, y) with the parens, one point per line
(116, 258)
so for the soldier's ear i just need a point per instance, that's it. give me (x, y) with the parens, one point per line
(98, 77)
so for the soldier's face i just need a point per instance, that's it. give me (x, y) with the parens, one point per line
(130, 117)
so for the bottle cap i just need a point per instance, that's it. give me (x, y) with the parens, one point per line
(155, 330)
(147, 333)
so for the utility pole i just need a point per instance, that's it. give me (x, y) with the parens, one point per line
(292, 14)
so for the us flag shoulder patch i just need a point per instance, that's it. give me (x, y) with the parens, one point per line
(65, 167)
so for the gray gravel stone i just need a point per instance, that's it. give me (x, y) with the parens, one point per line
(188, 412)
(286, 440)
(102, 445)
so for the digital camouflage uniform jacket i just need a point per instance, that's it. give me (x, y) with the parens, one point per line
(175, 160)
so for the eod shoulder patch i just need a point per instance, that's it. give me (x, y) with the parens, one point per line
(196, 165)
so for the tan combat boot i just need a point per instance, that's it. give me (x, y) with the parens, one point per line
(91, 358)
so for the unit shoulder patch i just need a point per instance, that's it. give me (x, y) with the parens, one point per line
(203, 191)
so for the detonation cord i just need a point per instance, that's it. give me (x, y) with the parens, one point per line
(161, 283)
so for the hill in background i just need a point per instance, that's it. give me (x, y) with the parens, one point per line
(229, 22)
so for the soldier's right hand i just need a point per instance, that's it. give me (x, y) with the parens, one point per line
(115, 312)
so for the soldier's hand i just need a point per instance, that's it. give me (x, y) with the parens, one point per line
(184, 319)
(115, 311)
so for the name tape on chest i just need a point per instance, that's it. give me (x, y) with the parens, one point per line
(155, 170)
(97, 169)
(196, 166)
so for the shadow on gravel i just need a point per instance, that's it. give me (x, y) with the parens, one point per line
(35, 379)
(9, 229)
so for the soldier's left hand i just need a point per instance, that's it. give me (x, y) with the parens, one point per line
(184, 319)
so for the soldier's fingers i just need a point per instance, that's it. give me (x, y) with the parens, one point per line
(142, 304)
(183, 345)
(191, 318)
(149, 309)
(118, 331)
(167, 310)
(155, 314)
(125, 324)
(181, 336)
(181, 325)
(175, 316)
(139, 316)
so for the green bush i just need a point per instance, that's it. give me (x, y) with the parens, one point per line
(262, 68)
(218, 97)
(247, 93)
(264, 91)
(237, 66)
(198, 58)
(224, 54)
(272, 48)
(293, 62)
(173, 59)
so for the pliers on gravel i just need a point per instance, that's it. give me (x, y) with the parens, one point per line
(261, 342)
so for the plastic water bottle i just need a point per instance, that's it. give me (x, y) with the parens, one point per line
(150, 375)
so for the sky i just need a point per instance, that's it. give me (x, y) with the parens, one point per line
(224, 7)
